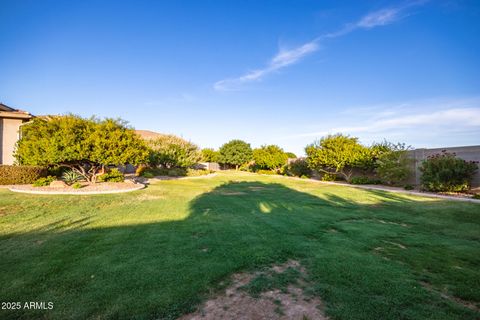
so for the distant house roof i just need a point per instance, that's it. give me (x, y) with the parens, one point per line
(8, 112)
(148, 135)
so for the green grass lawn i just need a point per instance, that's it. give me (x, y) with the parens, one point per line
(160, 252)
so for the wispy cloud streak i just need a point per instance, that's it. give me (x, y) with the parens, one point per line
(287, 57)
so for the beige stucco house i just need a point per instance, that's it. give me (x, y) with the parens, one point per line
(10, 123)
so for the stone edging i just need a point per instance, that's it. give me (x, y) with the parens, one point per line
(139, 187)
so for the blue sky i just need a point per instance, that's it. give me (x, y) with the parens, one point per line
(281, 72)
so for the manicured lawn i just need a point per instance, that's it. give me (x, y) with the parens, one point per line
(159, 252)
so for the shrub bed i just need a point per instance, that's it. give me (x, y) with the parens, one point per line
(20, 174)
(446, 173)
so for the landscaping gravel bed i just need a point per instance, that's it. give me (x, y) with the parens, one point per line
(97, 188)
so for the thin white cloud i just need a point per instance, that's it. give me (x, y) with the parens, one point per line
(288, 57)
(379, 18)
(420, 116)
(282, 59)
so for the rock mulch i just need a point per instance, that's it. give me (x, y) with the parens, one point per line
(97, 188)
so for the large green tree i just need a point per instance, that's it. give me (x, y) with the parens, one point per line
(270, 157)
(235, 153)
(210, 155)
(170, 151)
(83, 145)
(337, 154)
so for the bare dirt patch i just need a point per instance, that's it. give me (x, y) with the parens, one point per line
(282, 299)
(466, 304)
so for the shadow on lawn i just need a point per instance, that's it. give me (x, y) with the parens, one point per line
(165, 269)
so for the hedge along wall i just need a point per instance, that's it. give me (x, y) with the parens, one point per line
(20, 174)
(470, 153)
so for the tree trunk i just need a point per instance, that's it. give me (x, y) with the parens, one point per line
(236, 167)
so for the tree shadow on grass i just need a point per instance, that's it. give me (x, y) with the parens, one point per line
(364, 259)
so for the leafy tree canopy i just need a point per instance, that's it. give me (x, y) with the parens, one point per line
(337, 154)
(170, 151)
(210, 155)
(235, 152)
(270, 157)
(291, 155)
(84, 145)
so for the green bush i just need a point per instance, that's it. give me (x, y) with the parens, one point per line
(43, 182)
(297, 168)
(270, 157)
(71, 177)
(408, 187)
(76, 185)
(476, 196)
(83, 144)
(20, 174)
(172, 172)
(445, 172)
(364, 180)
(210, 155)
(170, 151)
(114, 175)
(329, 177)
(266, 172)
(338, 155)
(393, 165)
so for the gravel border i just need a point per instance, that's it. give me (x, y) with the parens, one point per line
(137, 186)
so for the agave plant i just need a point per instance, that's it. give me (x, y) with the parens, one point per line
(71, 177)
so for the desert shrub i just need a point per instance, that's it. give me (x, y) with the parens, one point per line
(114, 175)
(71, 177)
(329, 177)
(76, 185)
(20, 174)
(445, 172)
(235, 153)
(148, 174)
(44, 181)
(338, 155)
(261, 171)
(297, 168)
(139, 170)
(170, 151)
(392, 165)
(408, 187)
(171, 172)
(82, 145)
(197, 172)
(364, 180)
(210, 155)
(270, 157)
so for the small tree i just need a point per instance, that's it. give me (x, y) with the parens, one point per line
(270, 157)
(338, 155)
(210, 155)
(83, 145)
(235, 153)
(392, 164)
(170, 151)
(291, 155)
(446, 172)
